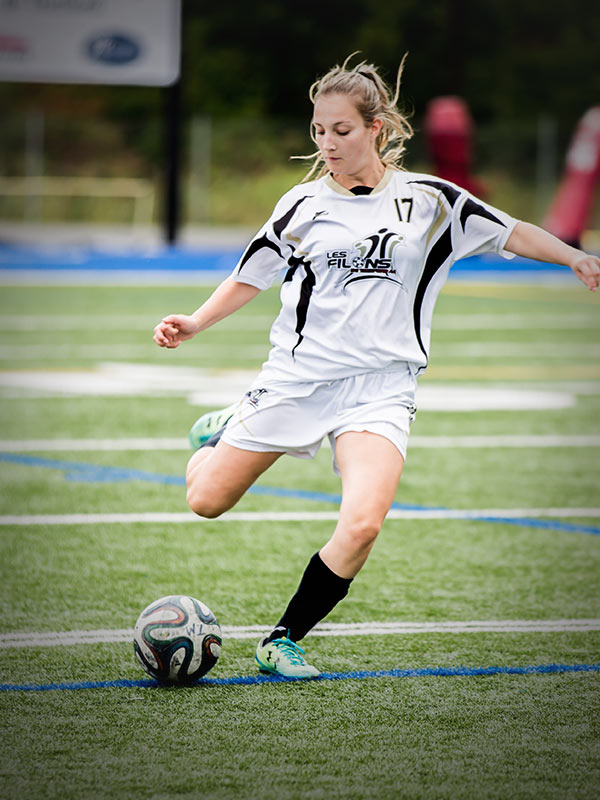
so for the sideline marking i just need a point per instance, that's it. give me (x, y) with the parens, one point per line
(182, 443)
(497, 322)
(252, 680)
(244, 322)
(507, 350)
(241, 322)
(519, 517)
(123, 635)
(520, 291)
(214, 388)
(508, 441)
(76, 471)
(459, 350)
(112, 445)
(502, 372)
(125, 352)
(486, 514)
(114, 277)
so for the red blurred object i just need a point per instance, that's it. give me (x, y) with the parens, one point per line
(449, 130)
(572, 203)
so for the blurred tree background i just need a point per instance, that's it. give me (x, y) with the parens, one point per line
(527, 69)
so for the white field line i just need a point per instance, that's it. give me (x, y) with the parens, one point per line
(56, 445)
(215, 388)
(498, 322)
(166, 518)
(78, 322)
(61, 638)
(491, 280)
(515, 350)
(65, 352)
(120, 277)
(430, 442)
(504, 441)
(100, 322)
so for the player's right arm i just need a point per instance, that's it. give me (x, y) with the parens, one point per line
(228, 297)
(259, 267)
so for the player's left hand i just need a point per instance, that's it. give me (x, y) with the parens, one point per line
(587, 269)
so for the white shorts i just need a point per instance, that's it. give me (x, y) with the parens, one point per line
(293, 418)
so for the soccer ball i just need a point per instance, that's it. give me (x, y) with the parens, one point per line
(177, 639)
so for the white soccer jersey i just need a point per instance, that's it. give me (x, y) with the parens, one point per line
(363, 271)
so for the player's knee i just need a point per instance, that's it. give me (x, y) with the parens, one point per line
(363, 530)
(205, 504)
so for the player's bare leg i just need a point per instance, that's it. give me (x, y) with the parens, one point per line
(370, 466)
(217, 477)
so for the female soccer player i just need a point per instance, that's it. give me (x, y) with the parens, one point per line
(366, 248)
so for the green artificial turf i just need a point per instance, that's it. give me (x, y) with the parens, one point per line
(509, 737)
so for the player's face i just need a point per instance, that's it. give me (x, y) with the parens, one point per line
(345, 142)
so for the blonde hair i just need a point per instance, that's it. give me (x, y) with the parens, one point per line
(374, 100)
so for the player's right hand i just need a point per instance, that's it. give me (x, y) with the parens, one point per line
(174, 329)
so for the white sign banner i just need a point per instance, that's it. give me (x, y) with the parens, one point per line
(131, 42)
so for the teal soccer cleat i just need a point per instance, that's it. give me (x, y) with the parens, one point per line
(209, 424)
(283, 657)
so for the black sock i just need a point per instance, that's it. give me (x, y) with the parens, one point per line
(276, 633)
(320, 590)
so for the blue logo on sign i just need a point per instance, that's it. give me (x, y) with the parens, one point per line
(113, 49)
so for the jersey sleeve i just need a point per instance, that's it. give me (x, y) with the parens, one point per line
(479, 228)
(266, 255)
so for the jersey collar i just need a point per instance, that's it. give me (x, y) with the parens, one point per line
(385, 179)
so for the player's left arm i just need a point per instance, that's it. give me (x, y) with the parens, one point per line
(529, 241)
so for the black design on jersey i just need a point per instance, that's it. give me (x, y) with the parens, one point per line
(471, 207)
(450, 193)
(438, 254)
(306, 290)
(264, 241)
(378, 239)
(280, 224)
(371, 256)
(254, 396)
(334, 260)
(370, 277)
(255, 246)
(290, 273)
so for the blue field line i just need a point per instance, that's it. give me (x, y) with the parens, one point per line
(92, 473)
(299, 494)
(81, 259)
(95, 473)
(550, 524)
(254, 680)
(78, 258)
(324, 497)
